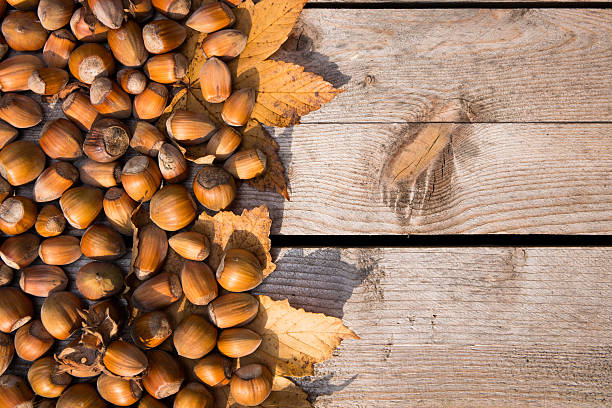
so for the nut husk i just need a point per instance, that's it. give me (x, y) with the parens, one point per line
(246, 164)
(15, 71)
(189, 128)
(238, 342)
(225, 44)
(19, 251)
(190, 245)
(81, 205)
(198, 281)
(81, 395)
(152, 249)
(107, 97)
(60, 250)
(118, 208)
(141, 178)
(97, 280)
(15, 309)
(151, 329)
(172, 164)
(238, 107)
(239, 271)
(17, 215)
(60, 314)
(89, 61)
(58, 47)
(118, 391)
(214, 370)
(161, 36)
(147, 139)
(251, 384)
(214, 187)
(50, 221)
(157, 292)
(166, 68)
(32, 340)
(233, 309)
(164, 375)
(61, 139)
(172, 207)
(20, 111)
(124, 359)
(99, 174)
(150, 104)
(127, 45)
(79, 109)
(102, 243)
(40, 280)
(46, 379)
(23, 32)
(194, 395)
(21, 162)
(194, 337)
(211, 17)
(54, 181)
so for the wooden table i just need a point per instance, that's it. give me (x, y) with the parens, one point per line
(452, 323)
(463, 325)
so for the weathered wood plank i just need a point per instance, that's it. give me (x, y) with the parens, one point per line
(520, 65)
(490, 178)
(458, 327)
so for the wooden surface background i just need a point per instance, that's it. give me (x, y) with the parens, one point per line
(530, 153)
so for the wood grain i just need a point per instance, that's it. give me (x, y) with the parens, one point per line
(458, 327)
(491, 178)
(520, 65)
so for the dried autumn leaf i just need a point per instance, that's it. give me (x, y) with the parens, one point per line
(254, 136)
(285, 92)
(293, 339)
(267, 25)
(249, 230)
(284, 394)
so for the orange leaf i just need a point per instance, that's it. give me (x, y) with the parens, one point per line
(285, 92)
(267, 25)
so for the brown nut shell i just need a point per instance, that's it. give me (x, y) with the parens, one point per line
(23, 32)
(174, 9)
(61, 139)
(190, 245)
(19, 251)
(118, 391)
(223, 143)
(172, 164)
(107, 97)
(55, 14)
(251, 384)
(15, 309)
(40, 280)
(132, 81)
(102, 243)
(161, 36)
(14, 392)
(7, 352)
(198, 282)
(54, 181)
(47, 81)
(239, 271)
(58, 47)
(6, 275)
(246, 164)
(172, 207)
(32, 340)
(189, 128)
(22, 4)
(7, 134)
(46, 379)
(60, 314)
(238, 107)
(15, 71)
(214, 187)
(238, 342)
(109, 12)
(194, 395)
(124, 359)
(17, 215)
(233, 309)
(151, 329)
(60, 250)
(147, 139)
(50, 221)
(164, 375)
(141, 178)
(150, 104)
(79, 109)
(86, 27)
(194, 337)
(157, 292)
(225, 44)
(89, 61)
(107, 140)
(214, 370)
(97, 280)
(99, 174)
(211, 17)
(166, 68)
(81, 395)
(152, 248)
(20, 111)
(127, 45)
(118, 208)
(215, 81)
(81, 205)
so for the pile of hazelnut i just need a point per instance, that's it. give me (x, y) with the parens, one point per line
(90, 171)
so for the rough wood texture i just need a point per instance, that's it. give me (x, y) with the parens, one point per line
(459, 327)
(519, 65)
(490, 178)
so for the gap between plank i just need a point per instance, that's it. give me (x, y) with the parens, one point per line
(405, 241)
(458, 5)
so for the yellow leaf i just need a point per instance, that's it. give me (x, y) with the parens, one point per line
(285, 92)
(249, 231)
(267, 26)
(293, 339)
(254, 136)
(284, 394)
